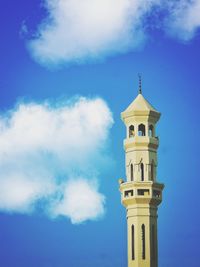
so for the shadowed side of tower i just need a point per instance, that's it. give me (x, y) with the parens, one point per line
(141, 193)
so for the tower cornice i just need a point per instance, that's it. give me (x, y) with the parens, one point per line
(148, 192)
(142, 142)
(138, 115)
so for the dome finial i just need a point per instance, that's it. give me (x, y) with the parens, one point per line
(140, 83)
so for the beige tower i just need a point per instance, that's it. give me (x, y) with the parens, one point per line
(141, 193)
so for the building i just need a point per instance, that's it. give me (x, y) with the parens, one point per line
(141, 193)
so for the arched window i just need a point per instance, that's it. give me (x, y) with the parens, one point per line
(132, 177)
(152, 170)
(131, 131)
(151, 130)
(143, 242)
(133, 242)
(141, 130)
(153, 242)
(142, 171)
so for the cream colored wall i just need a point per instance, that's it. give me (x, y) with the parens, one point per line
(141, 209)
(134, 157)
(138, 215)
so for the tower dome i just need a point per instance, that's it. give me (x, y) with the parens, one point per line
(140, 106)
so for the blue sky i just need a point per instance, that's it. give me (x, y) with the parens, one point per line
(64, 79)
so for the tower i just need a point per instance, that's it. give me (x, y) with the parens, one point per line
(141, 193)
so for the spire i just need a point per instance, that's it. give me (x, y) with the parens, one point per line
(140, 83)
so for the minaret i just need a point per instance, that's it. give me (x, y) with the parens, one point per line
(141, 193)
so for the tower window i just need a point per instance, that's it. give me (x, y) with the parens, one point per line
(133, 242)
(153, 242)
(143, 192)
(151, 130)
(143, 242)
(152, 171)
(142, 171)
(141, 130)
(131, 131)
(156, 193)
(132, 177)
(128, 193)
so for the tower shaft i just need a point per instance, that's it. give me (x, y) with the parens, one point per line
(142, 238)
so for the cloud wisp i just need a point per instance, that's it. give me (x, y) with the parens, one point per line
(184, 19)
(48, 158)
(78, 31)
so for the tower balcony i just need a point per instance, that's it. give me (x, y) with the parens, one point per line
(141, 193)
(141, 141)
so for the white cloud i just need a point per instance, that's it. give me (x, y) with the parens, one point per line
(184, 18)
(81, 201)
(49, 156)
(77, 31)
